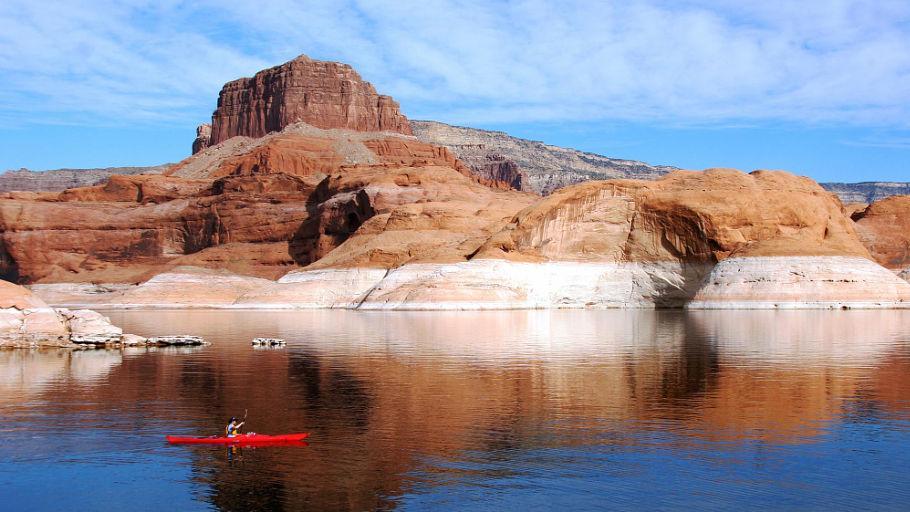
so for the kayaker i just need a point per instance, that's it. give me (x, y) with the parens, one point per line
(233, 428)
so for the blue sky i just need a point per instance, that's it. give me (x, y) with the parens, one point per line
(821, 88)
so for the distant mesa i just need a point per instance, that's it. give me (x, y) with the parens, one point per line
(868, 191)
(25, 180)
(531, 165)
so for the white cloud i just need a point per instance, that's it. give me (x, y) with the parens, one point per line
(472, 61)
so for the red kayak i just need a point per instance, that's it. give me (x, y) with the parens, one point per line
(240, 439)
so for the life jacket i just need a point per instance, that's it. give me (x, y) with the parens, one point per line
(232, 430)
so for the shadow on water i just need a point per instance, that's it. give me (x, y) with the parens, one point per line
(328, 393)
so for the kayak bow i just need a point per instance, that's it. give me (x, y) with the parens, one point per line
(239, 439)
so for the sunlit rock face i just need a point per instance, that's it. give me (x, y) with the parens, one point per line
(686, 216)
(497, 284)
(26, 319)
(329, 288)
(322, 94)
(482, 284)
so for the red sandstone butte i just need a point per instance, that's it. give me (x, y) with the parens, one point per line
(322, 94)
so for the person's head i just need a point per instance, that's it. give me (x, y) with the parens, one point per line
(233, 419)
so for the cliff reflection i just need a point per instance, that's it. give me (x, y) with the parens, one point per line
(386, 395)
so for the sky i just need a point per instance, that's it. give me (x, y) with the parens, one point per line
(820, 88)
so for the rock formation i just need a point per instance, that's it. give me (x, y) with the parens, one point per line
(58, 180)
(884, 228)
(630, 243)
(321, 94)
(252, 206)
(433, 239)
(533, 166)
(351, 211)
(203, 137)
(867, 191)
(834, 282)
(545, 168)
(27, 321)
(699, 217)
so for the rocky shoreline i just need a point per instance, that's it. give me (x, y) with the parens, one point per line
(738, 283)
(28, 322)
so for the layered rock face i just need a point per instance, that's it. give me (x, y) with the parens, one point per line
(884, 228)
(720, 238)
(533, 166)
(321, 94)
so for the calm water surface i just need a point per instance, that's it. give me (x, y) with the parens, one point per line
(522, 411)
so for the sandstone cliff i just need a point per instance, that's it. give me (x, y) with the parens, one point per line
(251, 206)
(321, 94)
(427, 237)
(687, 216)
(719, 238)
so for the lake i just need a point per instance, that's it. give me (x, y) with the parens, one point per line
(499, 410)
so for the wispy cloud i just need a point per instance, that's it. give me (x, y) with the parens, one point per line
(884, 142)
(471, 61)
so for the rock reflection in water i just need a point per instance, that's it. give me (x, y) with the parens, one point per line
(405, 406)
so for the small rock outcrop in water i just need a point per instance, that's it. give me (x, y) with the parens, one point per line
(268, 342)
(183, 340)
(321, 94)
